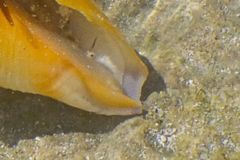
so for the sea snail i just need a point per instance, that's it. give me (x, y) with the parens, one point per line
(69, 51)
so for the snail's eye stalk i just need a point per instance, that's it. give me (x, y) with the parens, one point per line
(93, 44)
(4, 8)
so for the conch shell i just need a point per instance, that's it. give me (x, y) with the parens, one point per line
(69, 51)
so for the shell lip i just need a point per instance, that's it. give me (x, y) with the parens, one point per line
(122, 111)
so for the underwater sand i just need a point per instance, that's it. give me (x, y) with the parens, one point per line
(194, 46)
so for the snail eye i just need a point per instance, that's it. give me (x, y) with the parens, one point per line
(90, 54)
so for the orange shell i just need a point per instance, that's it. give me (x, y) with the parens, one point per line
(36, 60)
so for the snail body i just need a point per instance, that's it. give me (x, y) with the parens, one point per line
(71, 53)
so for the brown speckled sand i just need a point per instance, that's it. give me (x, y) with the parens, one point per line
(194, 45)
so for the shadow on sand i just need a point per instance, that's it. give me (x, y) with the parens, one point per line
(26, 116)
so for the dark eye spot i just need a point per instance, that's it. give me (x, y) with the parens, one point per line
(90, 54)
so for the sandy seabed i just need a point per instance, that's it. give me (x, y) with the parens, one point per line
(194, 46)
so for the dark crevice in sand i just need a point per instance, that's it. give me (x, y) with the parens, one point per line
(154, 82)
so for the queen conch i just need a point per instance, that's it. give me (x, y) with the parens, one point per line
(69, 51)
